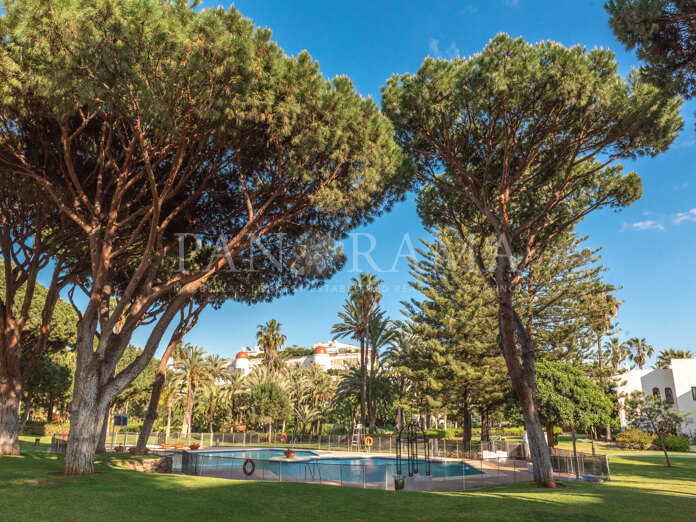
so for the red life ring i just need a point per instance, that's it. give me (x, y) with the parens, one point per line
(369, 442)
(65, 437)
(283, 438)
(248, 463)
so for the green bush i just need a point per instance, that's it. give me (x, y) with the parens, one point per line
(673, 443)
(633, 438)
(45, 429)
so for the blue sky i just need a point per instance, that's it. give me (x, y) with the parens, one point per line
(649, 247)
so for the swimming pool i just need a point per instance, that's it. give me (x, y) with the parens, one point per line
(270, 464)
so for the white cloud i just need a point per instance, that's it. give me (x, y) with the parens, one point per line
(642, 225)
(434, 47)
(435, 51)
(452, 50)
(684, 144)
(689, 215)
(512, 3)
(472, 9)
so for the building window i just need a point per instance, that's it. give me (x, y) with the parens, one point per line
(669, 396)
(656, 392)
(693, 392)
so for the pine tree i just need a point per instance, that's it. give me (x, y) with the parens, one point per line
(519, 143)
(460, 363)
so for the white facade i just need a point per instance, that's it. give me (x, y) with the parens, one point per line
(677, 383)
(329, 355)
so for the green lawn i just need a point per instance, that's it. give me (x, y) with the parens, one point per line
(641, 489)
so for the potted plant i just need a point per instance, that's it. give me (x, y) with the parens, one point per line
(118, 448)
(194, 446)
(178, 446)
(290, 454)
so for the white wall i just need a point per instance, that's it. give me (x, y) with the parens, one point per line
(680, 378)
(684, 375)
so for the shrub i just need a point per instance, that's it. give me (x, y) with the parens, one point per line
(633, 438)
(45, 429)
(673, 443)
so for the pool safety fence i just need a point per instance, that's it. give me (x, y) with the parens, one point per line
(499, 461)
(446, 475)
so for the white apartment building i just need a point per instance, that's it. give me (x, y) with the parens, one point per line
(676, 385)
(329, 355)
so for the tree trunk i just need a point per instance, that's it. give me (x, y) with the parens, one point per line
(49, 408)
(151, 415)
(169, 419)
(86, 421)
(485, 424)
(186, 427)
(664, 450)
(549, 435)
(101, 445)
(466, 420)
(602, 380)
(371, 406)
(363, 383)
(466, 429)
(522, 375)
(10, 393)
(28, 407)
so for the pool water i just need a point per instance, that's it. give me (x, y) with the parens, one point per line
(352, 467)
(260, 454)
(338, 469)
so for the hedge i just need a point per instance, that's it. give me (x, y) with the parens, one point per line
(45, 429)
(674, 443)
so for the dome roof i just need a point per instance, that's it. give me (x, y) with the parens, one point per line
(242, 355)
(319, 350)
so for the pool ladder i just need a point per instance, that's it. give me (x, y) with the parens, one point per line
(311, 470)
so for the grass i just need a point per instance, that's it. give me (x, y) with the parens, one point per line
(642, 488)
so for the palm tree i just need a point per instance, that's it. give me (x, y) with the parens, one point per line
(348, 390)
(364, 296)
(216, 375)
(605, 308)
(381, 334)
(232, 395)
(639, 351)
(305, 415)
(396, 357)
(664, 358)
(618, 352)
(169, 393)
(321, 389)
(271, 339)
(189, 362)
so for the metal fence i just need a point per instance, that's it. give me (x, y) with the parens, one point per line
(579, 466)
(446, 474)
(496, 462)
(381, 444)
